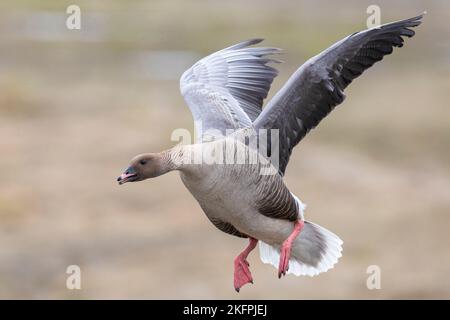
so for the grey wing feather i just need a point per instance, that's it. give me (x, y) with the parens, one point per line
(227, 228)
(226, 89)
(318, 85)
(275, 200)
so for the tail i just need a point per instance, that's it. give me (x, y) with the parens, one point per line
(315, 250)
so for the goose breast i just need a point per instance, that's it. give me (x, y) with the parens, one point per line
(240, 195)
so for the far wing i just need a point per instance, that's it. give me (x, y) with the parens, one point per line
(225, 90)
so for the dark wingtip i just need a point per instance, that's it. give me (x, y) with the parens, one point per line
(255, 41)
(417, 20)
(418, 17)
(250, 42)
(244, 44)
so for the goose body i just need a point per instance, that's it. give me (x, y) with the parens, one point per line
(238, 200)
(241, 201)
(233, 194)
(246, 197)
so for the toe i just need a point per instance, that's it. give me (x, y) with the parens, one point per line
(242, 275)
(284, 262)
(246, 271)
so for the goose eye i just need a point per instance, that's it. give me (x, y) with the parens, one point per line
(143, 162)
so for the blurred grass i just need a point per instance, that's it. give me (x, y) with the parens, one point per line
(75, 106)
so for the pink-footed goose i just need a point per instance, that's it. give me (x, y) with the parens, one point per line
(225, 91)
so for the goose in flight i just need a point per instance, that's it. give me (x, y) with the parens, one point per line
(225, 93)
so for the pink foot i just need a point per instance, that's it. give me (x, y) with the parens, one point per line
(242, 274)
(285, 251)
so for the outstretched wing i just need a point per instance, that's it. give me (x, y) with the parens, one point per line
(318, 85)
(225, 90)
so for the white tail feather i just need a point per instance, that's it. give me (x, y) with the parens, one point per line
(329, 258)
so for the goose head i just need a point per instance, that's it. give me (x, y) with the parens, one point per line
(144, 166)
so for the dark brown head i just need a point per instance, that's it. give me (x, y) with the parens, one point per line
(144, 166)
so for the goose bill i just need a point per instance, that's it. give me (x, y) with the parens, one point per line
(124, 178)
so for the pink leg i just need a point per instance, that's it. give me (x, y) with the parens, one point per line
(242, 273)
(285, 253)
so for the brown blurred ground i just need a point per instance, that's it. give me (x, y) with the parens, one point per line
(75, 106)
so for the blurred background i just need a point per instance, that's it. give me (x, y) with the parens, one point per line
(76, 105)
